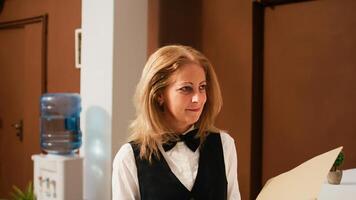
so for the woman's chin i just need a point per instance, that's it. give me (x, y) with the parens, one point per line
(192, 121)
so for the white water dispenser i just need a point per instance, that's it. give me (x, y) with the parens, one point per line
(58, 175)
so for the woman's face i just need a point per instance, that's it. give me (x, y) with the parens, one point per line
(184, 97)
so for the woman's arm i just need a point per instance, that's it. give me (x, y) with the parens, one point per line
(230, 158)
(124, 176)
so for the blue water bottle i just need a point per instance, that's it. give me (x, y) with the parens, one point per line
(60, 123)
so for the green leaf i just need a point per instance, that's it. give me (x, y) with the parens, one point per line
(18, 193)
(28, 194)
(339, 160)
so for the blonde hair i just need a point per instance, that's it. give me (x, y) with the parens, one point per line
(148, 129)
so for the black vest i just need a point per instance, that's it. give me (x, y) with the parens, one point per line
(157, 181)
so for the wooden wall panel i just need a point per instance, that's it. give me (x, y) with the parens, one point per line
(227, 42)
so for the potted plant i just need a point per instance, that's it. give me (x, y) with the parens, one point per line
(335, 174)
(28, 194)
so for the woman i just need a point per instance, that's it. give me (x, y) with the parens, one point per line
(175, 152)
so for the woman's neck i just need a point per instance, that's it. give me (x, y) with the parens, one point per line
(181, 130)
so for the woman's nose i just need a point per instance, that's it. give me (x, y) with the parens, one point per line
(195, 98)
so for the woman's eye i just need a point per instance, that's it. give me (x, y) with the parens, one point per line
(185, 89)
(202, 87)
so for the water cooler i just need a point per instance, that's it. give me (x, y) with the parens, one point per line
(58, 173)
(58, 177)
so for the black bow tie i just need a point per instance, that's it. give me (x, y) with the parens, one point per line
(189, 139)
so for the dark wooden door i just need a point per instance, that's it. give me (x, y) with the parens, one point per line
(309, 101)
(21, 87)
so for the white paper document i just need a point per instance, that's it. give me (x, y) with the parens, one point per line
(301, 183)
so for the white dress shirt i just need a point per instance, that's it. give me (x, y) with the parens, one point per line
(183, 163)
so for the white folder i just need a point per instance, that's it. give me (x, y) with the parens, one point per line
(301, 183)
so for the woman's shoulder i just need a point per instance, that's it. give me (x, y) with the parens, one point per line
(124, 155)
(224, 135)
(226, 139)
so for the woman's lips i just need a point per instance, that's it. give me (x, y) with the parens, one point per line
(194, 110)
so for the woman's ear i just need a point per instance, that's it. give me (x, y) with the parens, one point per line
(160, 99)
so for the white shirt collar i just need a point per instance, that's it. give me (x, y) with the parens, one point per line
(191, 128)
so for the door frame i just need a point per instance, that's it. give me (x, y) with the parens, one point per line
(43, 19)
